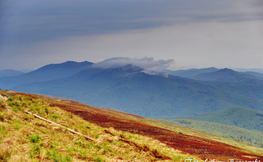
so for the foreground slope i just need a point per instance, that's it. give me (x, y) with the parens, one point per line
(179, 140)
(199, 146)
(23, 137)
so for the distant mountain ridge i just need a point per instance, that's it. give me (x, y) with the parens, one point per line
(191, 72)
(45, 73)
(9, 72)
(256, 74)
(214, 74)
(132, 89)
(224, 75)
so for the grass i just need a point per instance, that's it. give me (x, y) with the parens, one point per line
(194, 132)
(236, 116)
(211, 136)
(251, 137)
(26, 138)
(181, 130)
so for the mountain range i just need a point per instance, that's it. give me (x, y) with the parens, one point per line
(214, 74)
(10, 72)
(45, 73)
(132, 89)
(191, 72)
(226, 75)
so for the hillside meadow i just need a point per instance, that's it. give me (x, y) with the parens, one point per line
(251, 137)
(112, 135)
(26, 138)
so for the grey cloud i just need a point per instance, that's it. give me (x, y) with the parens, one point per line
(41, 31)
(147, 63)
(192, 45)
(31, 21)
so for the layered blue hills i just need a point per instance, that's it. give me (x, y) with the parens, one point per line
(131, 89)
(45, 73)
(226, 75)
(9, 72)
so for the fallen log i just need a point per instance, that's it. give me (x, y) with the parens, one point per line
(49, 121)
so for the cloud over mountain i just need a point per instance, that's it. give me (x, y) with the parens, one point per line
(146, 63)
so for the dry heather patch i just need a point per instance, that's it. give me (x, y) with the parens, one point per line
(26, 138)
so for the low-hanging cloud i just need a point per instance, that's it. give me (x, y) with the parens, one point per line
(146, 63)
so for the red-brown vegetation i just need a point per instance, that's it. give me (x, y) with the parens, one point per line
(201, 147)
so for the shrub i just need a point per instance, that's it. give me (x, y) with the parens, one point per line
(35, 138)
(14, 109)
(4, 156)
(2, 117)
(55, 116)
(10, 99)
(2, 105)
(99, 159)
(46, 110)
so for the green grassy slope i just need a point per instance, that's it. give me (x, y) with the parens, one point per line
(26, 138)
(251, 137)
(237, 116)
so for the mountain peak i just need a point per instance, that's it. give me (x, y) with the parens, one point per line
(45, 73)
(227, 70)
(225, 75)
(69, 64)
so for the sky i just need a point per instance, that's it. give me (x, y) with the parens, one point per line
(185, 33)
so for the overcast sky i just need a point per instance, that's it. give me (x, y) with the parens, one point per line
(192, 33)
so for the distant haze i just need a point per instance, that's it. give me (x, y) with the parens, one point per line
(194, 34)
